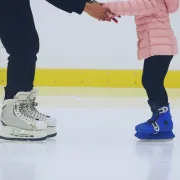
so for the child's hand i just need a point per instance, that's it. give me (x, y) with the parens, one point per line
(111, 16)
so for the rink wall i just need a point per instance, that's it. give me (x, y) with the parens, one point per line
(80, 51)
(94, 78)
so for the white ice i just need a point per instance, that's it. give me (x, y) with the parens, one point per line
(95, 142)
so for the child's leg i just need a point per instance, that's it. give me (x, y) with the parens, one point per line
(154, 73)
(160, 126)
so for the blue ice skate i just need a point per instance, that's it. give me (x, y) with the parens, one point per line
(159, 127)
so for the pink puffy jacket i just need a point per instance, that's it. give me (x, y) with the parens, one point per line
(153, 24)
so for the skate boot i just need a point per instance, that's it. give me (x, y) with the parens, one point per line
(17, 124)
(153, 114)
(159, 127)
(31, 110)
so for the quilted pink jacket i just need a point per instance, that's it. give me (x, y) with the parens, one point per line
(154, 31)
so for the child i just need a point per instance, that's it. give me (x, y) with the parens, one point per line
(157, 45)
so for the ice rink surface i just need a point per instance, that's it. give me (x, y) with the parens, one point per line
(95, 139)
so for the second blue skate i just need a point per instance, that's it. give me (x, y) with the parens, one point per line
(159, 127)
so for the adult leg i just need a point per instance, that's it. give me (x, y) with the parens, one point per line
(20, 39)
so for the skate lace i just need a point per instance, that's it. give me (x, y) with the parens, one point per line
(163, 110)
(153, 122)
(20, 108)
(32, 109)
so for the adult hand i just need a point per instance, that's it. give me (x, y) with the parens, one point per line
(96, 11)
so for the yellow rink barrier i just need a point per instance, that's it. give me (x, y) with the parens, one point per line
(94, 78)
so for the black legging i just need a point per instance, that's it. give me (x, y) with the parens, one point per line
(154, 73)
(20, 39)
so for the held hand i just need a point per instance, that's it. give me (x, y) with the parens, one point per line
(111, 16)
(96, 11)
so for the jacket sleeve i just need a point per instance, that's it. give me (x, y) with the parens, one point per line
(69, 6)
(133, 7)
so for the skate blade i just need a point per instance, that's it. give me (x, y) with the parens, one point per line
(52, 135)
(21, 139)
(157, 140)
(166, 136)
(16, 134)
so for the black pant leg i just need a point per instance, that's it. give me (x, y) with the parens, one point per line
(20, 39)
(154, 73)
